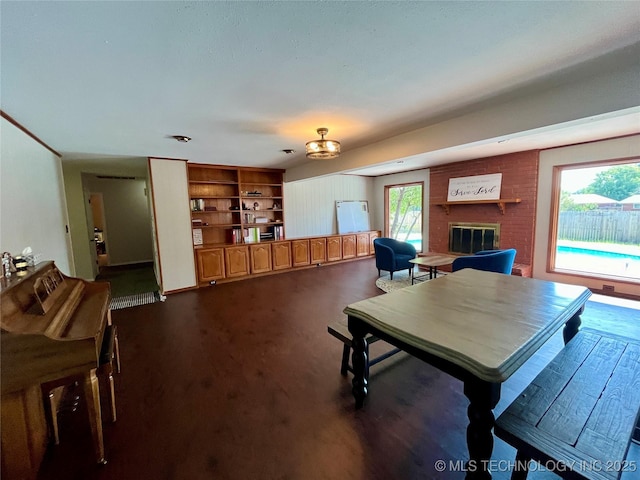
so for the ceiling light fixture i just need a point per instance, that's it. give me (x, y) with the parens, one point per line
(323, 148)
(181, 138)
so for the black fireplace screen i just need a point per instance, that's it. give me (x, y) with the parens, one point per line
(473, 237)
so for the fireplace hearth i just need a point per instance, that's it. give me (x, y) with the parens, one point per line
(469, 238)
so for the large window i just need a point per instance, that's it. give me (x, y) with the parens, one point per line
(596, 229)
(403, 213)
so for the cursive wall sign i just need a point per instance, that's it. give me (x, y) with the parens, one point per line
(478, 187)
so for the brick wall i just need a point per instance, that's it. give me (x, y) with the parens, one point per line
(519, 180)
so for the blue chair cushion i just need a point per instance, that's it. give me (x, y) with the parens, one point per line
(500, 261)
(403, 260)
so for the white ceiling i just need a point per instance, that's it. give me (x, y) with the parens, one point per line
(102, 80)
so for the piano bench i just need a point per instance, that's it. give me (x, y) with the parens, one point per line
(105, 368)
(108, 352)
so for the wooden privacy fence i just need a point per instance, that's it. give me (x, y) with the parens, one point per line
(600, 226)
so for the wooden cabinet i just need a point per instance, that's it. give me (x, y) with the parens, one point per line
(228, 204)
(362, 244)
(210, 264)
(348, 246)
(281, 255)
(372, 237)
(260, 257)
(300, 251)
(236, 261)
(233, 262)
(318, 250)
(334, 249)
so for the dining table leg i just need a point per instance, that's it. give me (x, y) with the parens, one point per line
(571, 327)
(360, 361)
(483, 397)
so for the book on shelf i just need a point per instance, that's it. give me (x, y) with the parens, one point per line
(197, 236)
(197, 204)
(278, 232)
(252, 235)
(235, 235)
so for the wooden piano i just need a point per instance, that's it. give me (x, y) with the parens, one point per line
(52, 327)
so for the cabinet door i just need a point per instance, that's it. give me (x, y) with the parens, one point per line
(300, 252)
(260, 258)
(281, 255)
(372, 237)
(210, 264)
(334, 249)
(362, 244)
(236, 261)
(348, 246)
(318, 247)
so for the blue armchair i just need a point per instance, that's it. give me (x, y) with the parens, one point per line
(500, 261)
(393, 255)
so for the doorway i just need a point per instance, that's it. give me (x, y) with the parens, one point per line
(119, 221)
(99, 228)
(403, 213)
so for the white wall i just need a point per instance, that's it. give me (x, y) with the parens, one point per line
(625, 147)
(310, 205)
(397, 179)
(170, 195)
(32, 201)
(127, 218)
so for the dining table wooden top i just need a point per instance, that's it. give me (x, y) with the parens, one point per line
(487, 323)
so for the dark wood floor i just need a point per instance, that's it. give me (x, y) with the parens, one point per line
(241, 381)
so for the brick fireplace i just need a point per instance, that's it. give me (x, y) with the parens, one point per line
(517, 224)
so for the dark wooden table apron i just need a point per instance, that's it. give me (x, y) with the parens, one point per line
(483, 395)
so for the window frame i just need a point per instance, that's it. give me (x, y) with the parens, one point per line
(387, 188)
(552, 241)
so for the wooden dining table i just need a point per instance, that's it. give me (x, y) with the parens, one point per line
(477, 326)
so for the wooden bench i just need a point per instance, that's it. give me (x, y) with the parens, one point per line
(340, 330)
(579, 414)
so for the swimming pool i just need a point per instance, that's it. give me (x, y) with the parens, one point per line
(600, 262)
(597, 253)
(416, 242)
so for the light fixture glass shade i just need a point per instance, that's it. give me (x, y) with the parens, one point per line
(323, 148)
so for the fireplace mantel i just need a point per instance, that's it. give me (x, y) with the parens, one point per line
(502, 203)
